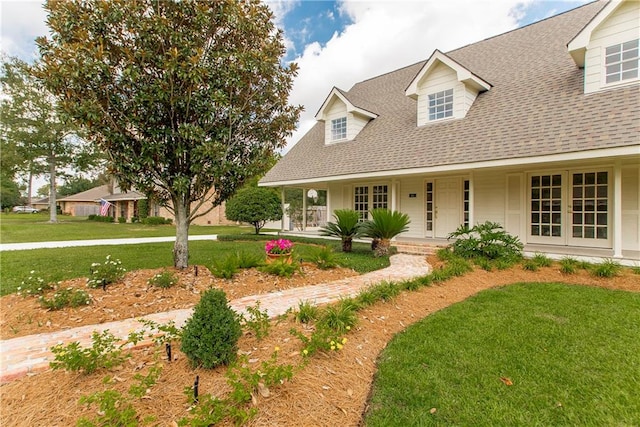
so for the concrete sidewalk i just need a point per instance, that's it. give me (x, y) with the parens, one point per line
(99, 242)
(19, 356)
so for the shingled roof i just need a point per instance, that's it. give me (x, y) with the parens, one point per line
(536, 107)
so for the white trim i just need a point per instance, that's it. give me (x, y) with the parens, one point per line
(578, 46)
(463, 74)
(633, 150)
(335, 93)
(617, 210)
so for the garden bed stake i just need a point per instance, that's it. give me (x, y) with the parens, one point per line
(196, 269)
(104, 285)
(195, 389)
(167, 347)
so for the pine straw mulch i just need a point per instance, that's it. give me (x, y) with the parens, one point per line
(331, 390)
(133, 297)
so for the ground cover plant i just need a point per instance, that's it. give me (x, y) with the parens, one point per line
(16, 228)
(527, 354)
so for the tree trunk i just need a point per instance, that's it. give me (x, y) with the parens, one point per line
(53, 212)
(30, 187)
(181, 247)
(347, 244)
(382, 249)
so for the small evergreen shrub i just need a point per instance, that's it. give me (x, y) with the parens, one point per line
(100, 218)
(164, 280)
(122, 220)
(156, 220)
(210, 336)
(608, 268)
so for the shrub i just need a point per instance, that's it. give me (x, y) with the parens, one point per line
(384, 290)
(487, 240)
(248, 259)
(383, 226)
(280, 267)
(227, 267)
(439, 275)
(347, 226)
(568, 265)
(254, 205)
(306, 312)
(33, 285)
(483, 263)
(122, 220)
(66, 298)
(257, 321)
(105, 274)
(100, 218)
(165, 279)
(103, 353)
(608, 268)
(324, 258)
(530, 265)
(635, 269)
(156, 220)
(340, 317)
(458, 267)
(210, 336)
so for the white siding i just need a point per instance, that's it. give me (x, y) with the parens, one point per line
(355, 123)
(515, 212)
(336, 199)
(631, 208)
(413, 206)
(442, 78)
(335, 110)
(489, 200)
(623, 25)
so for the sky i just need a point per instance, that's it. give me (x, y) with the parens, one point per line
(339, 43)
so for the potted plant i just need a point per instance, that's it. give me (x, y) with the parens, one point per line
(279, 249)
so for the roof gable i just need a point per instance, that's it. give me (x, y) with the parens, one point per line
(463, 74)
(578, 45)
(342, 96)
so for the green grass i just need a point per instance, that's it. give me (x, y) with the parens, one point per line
(18, 228)
(572, 353)
(67, 263)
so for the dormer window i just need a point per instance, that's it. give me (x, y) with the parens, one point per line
(621, 61)
(339, 129)
(441, 105)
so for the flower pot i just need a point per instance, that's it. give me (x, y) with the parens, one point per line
(284, 257)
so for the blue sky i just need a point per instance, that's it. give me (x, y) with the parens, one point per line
(339, 43)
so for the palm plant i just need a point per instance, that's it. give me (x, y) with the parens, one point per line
(383, 226)
(347, 226)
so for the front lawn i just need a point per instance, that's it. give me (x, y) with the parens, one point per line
(67, 263)
(17, 228)
(525, 354)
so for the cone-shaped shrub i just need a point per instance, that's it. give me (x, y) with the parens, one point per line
(210, 336)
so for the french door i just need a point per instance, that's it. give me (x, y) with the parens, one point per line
(570, 208)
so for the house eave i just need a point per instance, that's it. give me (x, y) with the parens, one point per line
(633, 150)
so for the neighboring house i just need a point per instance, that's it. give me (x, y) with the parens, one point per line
(537, 129)
(125, 204)
(42, 204)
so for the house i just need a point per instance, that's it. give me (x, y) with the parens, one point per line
(43, 204)
(537, 129)
(125, 204)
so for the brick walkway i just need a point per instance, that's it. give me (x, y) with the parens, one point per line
(19, 356)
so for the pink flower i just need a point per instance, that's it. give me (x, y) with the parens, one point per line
(280, 246)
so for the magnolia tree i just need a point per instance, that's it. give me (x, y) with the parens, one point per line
(189, 99)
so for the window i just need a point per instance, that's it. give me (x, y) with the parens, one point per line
(429, 201)
(441, 105)
(621, 61)
(380, 196)
(465, 203)
(339, 128)
(361, 202)
(546, 205)
(590, 194)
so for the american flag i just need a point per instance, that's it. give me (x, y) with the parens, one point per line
(104, 207)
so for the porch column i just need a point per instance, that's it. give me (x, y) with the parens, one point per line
(617, 210)
(328, 206)
(393, 195)
(471, 199)
(304, 209)
(283, 208)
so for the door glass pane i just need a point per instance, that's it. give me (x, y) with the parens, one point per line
(429, 207)
(590, 195)
(546, 204)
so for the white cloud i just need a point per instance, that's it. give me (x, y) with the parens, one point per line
(21, 21)
(387, 35)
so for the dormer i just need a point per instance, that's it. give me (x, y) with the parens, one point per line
(607, 47)
(343, 119)
(444, 89)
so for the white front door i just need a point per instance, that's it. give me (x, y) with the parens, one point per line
(448, 206)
